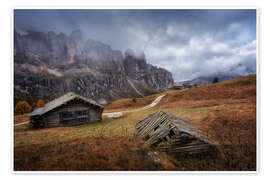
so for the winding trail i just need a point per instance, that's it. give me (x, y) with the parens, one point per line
(112, 114)
(154, 103)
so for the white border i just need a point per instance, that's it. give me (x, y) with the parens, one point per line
(143, 8)
(257, 88)
(12, 88)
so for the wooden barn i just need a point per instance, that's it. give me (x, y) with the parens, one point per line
(67, 110)
(171, 134)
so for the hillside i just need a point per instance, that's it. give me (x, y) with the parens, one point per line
(225, 112)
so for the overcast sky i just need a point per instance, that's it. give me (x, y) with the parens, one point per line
(189, 43)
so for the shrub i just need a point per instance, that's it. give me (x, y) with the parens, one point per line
(40, 103)
(22, 107)
(215, 80)
(134, 100)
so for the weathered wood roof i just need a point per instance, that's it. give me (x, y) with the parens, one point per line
(178, 133)
(60, 101)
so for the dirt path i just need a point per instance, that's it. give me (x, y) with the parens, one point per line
(21, 123)
(154, 103)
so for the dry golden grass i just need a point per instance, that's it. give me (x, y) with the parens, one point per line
(225, 112)
(230, 121)
(92, 154)
(242, 89)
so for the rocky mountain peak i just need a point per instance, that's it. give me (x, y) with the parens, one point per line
(135, 54)
(49, 64)
(76, 35)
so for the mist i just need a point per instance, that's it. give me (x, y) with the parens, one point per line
(189, 43)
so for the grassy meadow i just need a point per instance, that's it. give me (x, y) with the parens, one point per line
(225, 112)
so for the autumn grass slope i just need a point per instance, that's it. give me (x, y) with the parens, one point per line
(225, 112)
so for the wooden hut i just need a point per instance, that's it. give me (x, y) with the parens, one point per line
(178, 86)
(67, 110)
(169, 133)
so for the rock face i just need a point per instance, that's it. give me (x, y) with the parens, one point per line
(50, 64)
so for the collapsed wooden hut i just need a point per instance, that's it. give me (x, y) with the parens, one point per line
(67, 110)
(171, 134)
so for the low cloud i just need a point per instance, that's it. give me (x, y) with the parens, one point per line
(189, 43)
(203, 56)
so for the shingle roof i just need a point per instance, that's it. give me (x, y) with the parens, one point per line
(60, 101)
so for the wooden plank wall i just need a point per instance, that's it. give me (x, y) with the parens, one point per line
(53, 120)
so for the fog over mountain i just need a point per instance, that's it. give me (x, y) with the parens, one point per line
(50, 65)
(188, 43)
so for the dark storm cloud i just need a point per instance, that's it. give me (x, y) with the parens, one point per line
(189, 43)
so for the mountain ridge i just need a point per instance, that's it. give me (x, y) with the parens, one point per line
(50, 64)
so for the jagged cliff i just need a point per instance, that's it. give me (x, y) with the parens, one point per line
(50, 64)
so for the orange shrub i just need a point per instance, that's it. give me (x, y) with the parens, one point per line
(40, 103)
(22, 107)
